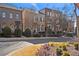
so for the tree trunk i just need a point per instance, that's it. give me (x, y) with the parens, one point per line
(77, 33)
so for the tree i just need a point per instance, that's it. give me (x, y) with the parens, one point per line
(27, 32)
(17, 32)
(6, 32)
(76, 6)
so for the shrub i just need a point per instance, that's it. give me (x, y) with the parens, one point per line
(66, 54)
(69, 35)
(64, 48)
(60, 33)
(76, 46)
(6, 32)
(52, 45)
(45, 50)
(0, 34)
(17, 33)
(53, 32)
(36, 35)
(49, 31)
(59, 52)
(27, 32)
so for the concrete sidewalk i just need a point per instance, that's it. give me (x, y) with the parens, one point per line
(5, 50)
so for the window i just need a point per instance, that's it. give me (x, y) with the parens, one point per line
(53, 14)
(34, 18)
(11, 15)
(56, 15)
(17, 16)
(38, 18)
(40, 27)
(57, 21)
(3, 14)
(50, 13)
(42, 19)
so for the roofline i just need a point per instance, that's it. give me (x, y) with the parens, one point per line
(10, 8)
(50, 9)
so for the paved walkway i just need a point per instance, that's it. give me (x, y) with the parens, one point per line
(8, 47)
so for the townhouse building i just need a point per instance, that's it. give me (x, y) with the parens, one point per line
(10, 16)
(36, 21)
(33, 20)
(55, 19)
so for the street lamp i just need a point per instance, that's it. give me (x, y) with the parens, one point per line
(46, 20)
(45, 23)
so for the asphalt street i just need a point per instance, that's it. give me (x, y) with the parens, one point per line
(38, 40)
(59, 39)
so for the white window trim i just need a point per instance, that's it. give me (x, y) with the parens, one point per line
(42, 19)
(40, 27)
(34, 18)
(17, 16)
(50, 13)
(11, 15)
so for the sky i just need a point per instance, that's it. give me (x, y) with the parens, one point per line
(66, 8)
(38, 6)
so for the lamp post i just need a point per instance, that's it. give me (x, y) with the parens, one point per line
(45, 23)
(46, 20)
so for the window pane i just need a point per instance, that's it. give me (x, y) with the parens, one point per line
(3, 14)
(17, 16)
(11, 15)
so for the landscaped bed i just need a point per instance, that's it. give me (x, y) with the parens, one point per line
(49, 49)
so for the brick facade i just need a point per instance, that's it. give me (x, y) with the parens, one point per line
(10, 17)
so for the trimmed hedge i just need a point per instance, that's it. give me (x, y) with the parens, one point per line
(36, 35)
(69, 35)
(27, 33)
(6, 32)
(17, 33)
